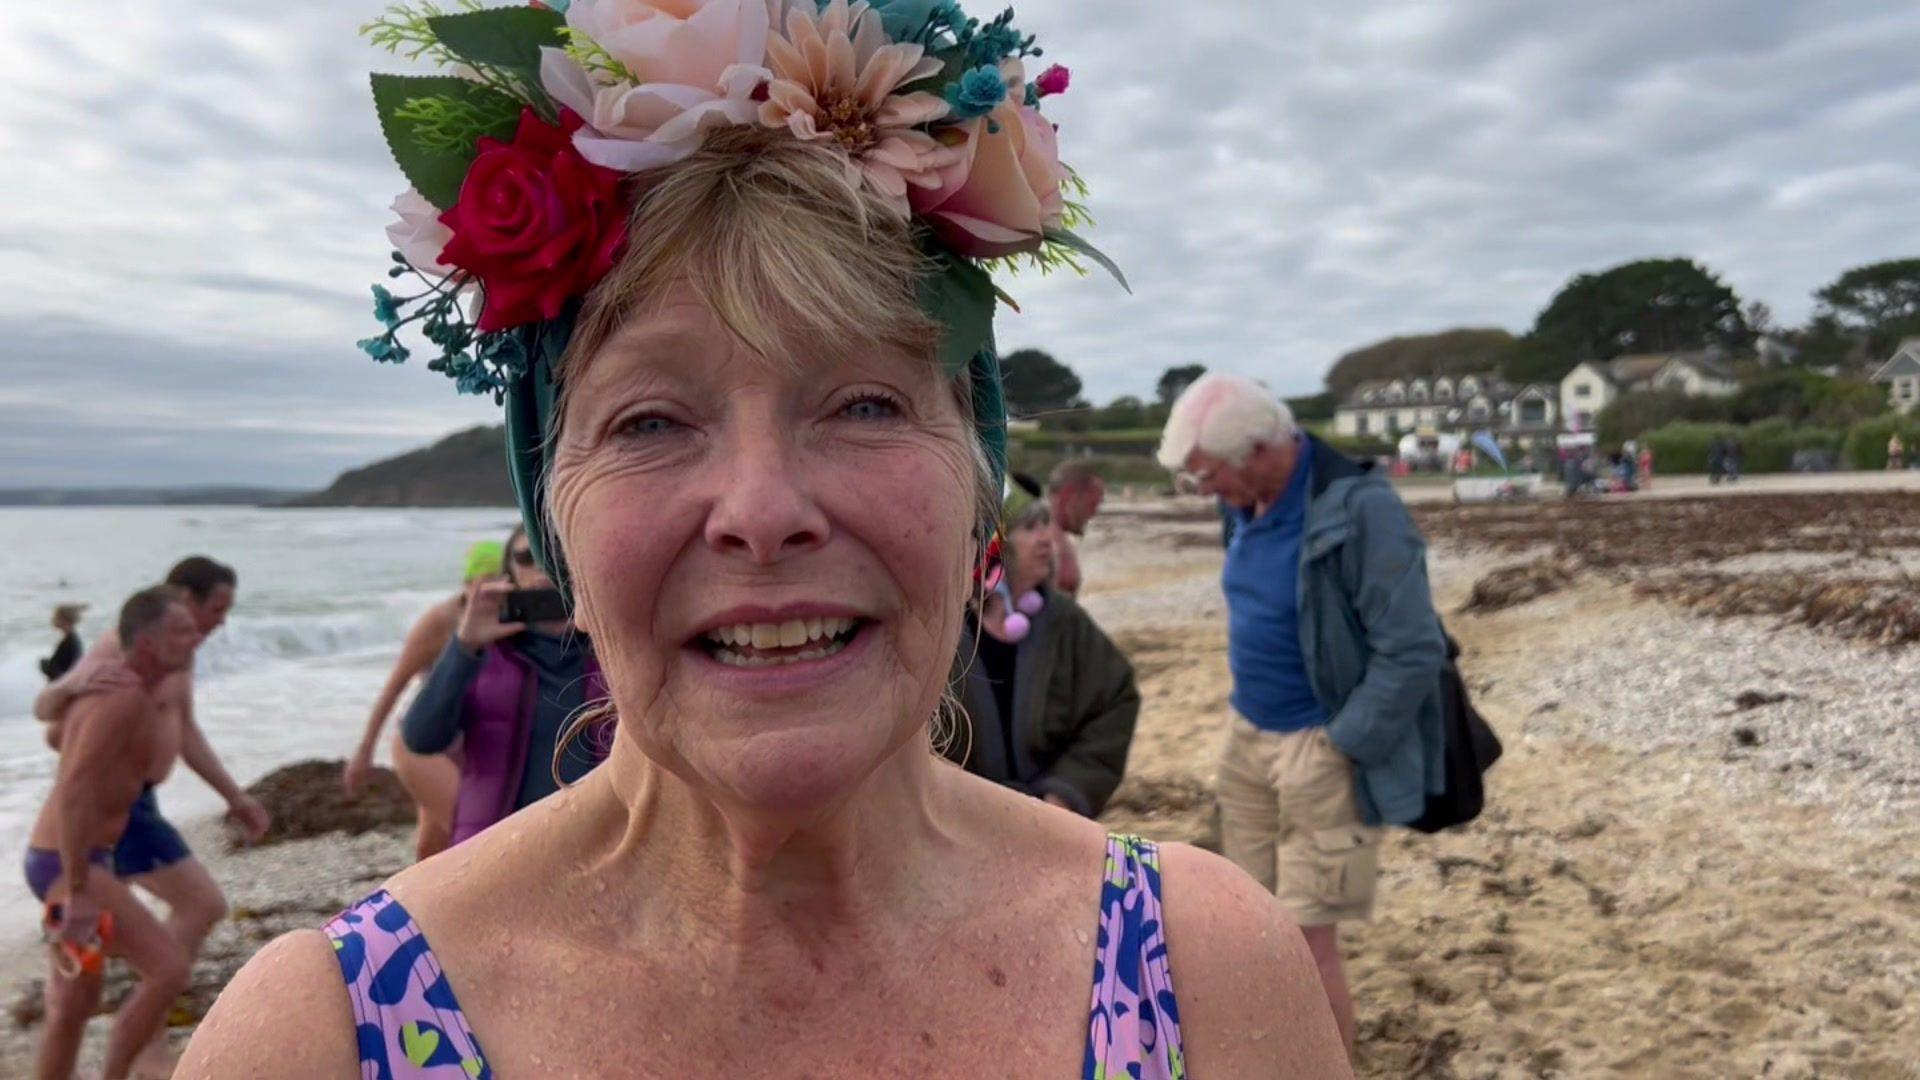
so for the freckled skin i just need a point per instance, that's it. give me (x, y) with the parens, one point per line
(694, 478)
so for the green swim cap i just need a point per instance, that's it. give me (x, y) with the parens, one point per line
(484, 559)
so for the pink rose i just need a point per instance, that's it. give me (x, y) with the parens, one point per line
(1004, 192)
(683, 42)
(1053, 81)
(695, 65)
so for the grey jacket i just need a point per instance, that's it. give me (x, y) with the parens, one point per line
(1373, 645)
(1074, 708)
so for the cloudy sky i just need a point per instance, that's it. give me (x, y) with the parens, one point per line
(195, 193)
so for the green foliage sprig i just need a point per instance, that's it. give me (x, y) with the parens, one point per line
(451, 126)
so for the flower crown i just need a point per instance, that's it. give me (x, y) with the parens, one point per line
(518, 153)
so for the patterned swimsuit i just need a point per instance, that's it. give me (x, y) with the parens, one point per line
(409, 1026)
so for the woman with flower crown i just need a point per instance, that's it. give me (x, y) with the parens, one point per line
(727, 264)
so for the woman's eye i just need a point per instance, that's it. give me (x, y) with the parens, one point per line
(871, 407)
(647, 425)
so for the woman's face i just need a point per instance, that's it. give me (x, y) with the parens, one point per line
(1032, 546)
(771, 557)
(523, 569)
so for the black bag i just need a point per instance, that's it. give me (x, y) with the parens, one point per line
(1471, 749)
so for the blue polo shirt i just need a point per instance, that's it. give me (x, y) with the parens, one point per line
(1262, 583)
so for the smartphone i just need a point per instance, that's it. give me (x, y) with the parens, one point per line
(534, 606)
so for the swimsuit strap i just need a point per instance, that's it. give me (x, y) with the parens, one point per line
(409, 1026)
(407, 1022)
(1133, 1029)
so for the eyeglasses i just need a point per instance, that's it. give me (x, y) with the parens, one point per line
(523, 557)
(1191, 480)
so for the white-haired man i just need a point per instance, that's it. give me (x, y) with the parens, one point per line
(1335, 651)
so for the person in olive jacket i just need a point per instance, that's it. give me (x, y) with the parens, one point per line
(1049, 701)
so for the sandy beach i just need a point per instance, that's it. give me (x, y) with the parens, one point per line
(1700, 858)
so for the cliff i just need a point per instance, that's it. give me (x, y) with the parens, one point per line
(468, 468)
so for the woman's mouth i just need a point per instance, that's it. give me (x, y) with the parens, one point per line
(760, 645)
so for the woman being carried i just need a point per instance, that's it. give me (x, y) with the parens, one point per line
(764, 452)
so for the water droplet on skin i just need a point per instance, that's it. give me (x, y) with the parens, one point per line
(1082, 936)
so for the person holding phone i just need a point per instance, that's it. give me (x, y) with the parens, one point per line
(505, 687)
(432, 780)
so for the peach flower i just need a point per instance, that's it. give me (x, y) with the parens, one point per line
(835, 80)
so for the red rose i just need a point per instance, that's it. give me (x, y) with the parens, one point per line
(535, 222)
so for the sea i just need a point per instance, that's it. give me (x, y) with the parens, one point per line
(325, 597)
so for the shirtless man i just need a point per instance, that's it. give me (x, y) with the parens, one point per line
(151, 853)
(114, 732)
(1074, 493)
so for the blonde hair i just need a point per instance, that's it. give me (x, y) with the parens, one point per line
(788, 250)
(777, 238)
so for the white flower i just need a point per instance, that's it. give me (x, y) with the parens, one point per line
(418, 235)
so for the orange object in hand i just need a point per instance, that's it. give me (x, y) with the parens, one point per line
(87, 957)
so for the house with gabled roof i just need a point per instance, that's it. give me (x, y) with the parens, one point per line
(1386, 408)
(1901, 374)
(1594, 384)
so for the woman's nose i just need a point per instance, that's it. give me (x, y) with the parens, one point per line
(763, 508)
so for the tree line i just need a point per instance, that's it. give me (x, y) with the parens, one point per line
(1658, 306)
(1645, 306)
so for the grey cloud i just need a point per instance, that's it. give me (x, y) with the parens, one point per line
(266, 286)
(1281, 182)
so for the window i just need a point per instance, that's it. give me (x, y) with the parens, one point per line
(1360, 424)
(1533, 411)
(1582, 389)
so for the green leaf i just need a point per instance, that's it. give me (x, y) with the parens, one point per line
(902, 19)
(953, 64)
(436, 171)
(507, 39)
(960, 296)
(1067, 238)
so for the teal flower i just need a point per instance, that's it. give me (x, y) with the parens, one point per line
(976, 93)
(384, 349)
(385, 307)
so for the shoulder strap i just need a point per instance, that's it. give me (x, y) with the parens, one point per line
(1133, 1028)
(407, 1023)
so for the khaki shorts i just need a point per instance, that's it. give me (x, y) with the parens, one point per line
(1288, 818)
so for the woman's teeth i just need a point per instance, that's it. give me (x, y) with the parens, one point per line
(820, 638)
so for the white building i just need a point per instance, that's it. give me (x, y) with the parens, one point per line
(1901, 373)
(1383, 408)
(1595, 384)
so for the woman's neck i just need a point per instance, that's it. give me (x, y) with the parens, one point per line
(1025, 581)
(744, 875)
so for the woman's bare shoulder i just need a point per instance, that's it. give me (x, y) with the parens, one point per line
(1250, 998)
(285, 1013)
